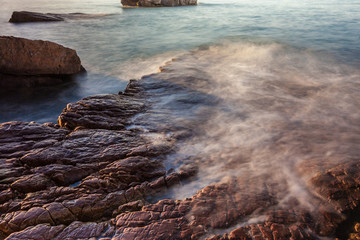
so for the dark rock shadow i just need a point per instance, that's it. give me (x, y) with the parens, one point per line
(45, 103)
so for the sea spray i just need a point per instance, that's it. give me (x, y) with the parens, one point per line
(266, 115)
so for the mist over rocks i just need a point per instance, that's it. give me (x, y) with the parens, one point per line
(157, 3)
(107, 169)
(35, 62)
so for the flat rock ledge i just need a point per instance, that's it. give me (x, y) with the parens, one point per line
(71, 180)
(26, 16)
(157, 3)
(27, 62)
(90, 176)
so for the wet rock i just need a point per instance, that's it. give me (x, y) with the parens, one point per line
(101, 111)
(95, 180)
(41, 231)
(61, 175)
(31, 183)
(157, 3)
(24, 16)
(5, 195)
(163, 220)
(78, 230)
(130, 207)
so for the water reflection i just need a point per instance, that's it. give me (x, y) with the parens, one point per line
(44, 104)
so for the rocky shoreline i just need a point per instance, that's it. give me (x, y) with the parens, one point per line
(93, 175)
(106, 168)
(115, 169)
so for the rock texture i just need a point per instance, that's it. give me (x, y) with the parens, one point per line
(99, 174)
(81, 171)
(29, 63)
(157, 3)
(21, 56)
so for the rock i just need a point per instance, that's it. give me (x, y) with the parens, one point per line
(41, 231)
(31, 183)
(24, 16)
(79, 230)
(100, 112)
(36, 57)
(157, 3)
(97, 171)
(88, 168)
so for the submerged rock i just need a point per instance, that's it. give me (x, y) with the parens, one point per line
(35, 62)
(157, 3)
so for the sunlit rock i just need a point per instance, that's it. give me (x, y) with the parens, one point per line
(27, 63)
(22, 56)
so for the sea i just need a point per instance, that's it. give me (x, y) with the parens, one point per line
(120, 43)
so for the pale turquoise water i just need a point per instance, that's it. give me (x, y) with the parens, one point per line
(132, 42)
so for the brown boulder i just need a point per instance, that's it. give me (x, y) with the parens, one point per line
(21, 56)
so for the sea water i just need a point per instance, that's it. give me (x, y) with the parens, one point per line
(127, 43)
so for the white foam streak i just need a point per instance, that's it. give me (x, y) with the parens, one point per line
(283, 111)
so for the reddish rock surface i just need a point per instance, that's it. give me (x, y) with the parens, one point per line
(21, 56)
(95, 175)
(56, 176)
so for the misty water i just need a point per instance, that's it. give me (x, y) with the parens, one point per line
(270, 89)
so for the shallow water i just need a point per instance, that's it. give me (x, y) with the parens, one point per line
(131, 42)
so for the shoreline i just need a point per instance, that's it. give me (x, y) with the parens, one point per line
(118, 168)
(239, 136)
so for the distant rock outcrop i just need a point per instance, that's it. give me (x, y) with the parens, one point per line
(25, 16)
(157, 3)
(35, 59)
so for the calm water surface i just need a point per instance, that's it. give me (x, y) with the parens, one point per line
(131, 42)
